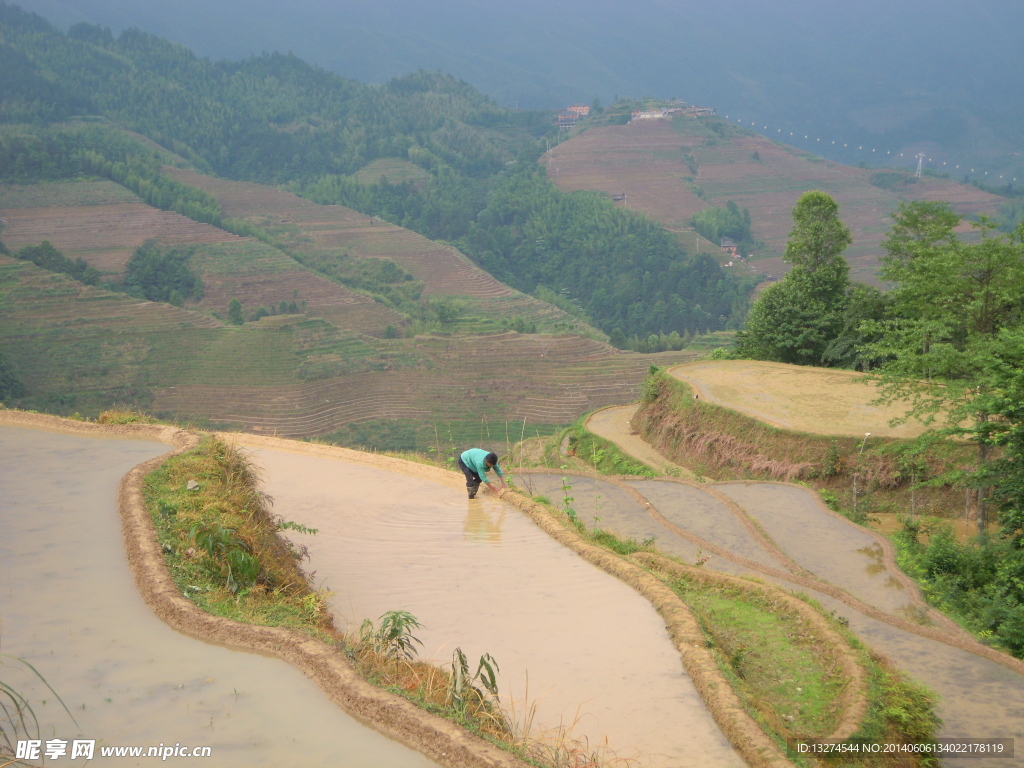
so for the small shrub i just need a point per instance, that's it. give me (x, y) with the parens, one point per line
(394, 638)
(235, 316)
(123, 416)
(832, 463)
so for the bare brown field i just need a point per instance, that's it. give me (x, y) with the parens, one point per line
(821, 400)
(306, 227)
(647, 161)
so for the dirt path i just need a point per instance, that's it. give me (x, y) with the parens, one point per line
(614, 423)
(849, 569)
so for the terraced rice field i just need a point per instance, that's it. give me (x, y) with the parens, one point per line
(297, 375)
(647, 161)
(308, 228)
(88, 345)
(261, 276)
(761, 530)
(394, 170)
(556, 647)
(104, 226)
(824, 401)
(536, 378)
(104, 223)
(73, 611)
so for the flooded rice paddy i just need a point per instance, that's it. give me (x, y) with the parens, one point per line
(831, 548)
(479, 575)
(582, 646)
(69, 606)
(978, 697)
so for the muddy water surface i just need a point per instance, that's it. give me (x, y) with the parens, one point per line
(619, 513)
(978, 698)
(833, 549)
(596, 502)
(481, 576)
(699, 512)
(69, 606)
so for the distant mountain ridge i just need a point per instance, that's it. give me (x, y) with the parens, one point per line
(946, 77)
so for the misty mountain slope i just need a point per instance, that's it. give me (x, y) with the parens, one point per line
(942, 77)
(320, 363)
(276, 119)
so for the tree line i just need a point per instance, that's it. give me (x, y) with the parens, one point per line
(948, 338)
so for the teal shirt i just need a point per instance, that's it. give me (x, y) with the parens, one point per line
(474, 459)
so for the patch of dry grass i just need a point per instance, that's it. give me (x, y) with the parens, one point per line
(723, 444)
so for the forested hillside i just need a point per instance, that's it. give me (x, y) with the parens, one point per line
(275, 119)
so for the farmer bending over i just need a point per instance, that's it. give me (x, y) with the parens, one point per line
(475, 464)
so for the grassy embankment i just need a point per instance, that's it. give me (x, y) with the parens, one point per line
(788, 682)
(889, 475)
(573, 447)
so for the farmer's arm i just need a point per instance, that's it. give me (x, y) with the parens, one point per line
(500, 477)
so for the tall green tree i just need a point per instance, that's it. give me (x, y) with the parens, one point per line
(952, 304)
(1005, 400)
(796, 320)
(235, 316)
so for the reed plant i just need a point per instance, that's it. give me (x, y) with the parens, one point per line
(385, 654)
(18, 720)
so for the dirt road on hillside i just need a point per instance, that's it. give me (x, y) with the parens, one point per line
(615, 424)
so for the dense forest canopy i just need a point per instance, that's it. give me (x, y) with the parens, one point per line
(276, 119)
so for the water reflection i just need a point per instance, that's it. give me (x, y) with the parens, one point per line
(483, 522)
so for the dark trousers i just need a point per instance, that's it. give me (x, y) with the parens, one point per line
(472, 478)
